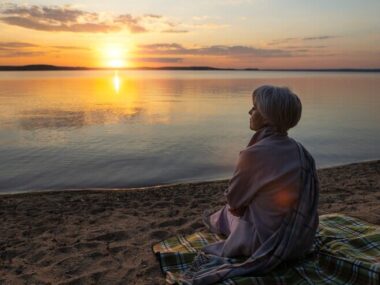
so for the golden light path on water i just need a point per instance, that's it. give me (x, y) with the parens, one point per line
(116, 81)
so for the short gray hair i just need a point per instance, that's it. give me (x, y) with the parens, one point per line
(279, 106)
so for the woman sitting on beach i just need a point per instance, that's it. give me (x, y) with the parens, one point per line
(272, 199)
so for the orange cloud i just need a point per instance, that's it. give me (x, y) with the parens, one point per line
(68, 19)
(214, 50)
(19, 49)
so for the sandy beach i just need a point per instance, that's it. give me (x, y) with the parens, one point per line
(105, 237)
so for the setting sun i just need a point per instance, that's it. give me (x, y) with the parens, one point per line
(115, 56)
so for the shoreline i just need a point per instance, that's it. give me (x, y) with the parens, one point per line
(105, 236)
(48, 67)
(158, 186)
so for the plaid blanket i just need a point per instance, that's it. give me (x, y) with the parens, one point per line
(347, 251)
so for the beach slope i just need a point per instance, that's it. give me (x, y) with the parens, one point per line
(105, 237)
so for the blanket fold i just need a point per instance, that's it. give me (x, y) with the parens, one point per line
(347, 251)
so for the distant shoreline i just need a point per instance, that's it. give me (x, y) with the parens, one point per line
(45, 67)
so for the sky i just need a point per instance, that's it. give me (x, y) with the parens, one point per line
(220, 33)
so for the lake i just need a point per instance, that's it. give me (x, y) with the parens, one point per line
(114, 129)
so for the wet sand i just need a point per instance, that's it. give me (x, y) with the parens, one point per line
(105, 237)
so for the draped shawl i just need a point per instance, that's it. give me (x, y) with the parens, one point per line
(294, 234)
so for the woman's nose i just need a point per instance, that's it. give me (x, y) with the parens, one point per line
(250, 112)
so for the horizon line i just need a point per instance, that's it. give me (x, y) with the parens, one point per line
(48, 67)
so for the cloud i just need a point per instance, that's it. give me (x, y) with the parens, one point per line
(281, 41)
(70, 47)
(163, 24)
(41, 25)
(294, 39)
(153, 16)
(68, 19)
(163, 48)
(65, 14)
(132, 23)
(158, 59)
(17, 49)
(8, 45)
(20, 53)
(309, 47)
(175, 31)
(319, 38)
(243, 50)
(214, 50)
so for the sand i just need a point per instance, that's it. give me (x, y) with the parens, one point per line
(105, 237)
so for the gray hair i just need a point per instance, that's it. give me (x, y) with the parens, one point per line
(279, 106)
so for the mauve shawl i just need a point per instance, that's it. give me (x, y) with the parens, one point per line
(275, 188)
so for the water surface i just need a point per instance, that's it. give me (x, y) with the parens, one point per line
(106, 129)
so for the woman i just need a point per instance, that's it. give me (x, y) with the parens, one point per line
(272, 199)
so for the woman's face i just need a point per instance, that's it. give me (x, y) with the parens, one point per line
(256, 121)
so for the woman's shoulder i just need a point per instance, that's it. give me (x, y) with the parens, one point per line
(272, 151)
(271, 143)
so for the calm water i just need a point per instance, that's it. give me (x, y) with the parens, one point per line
(104, 129)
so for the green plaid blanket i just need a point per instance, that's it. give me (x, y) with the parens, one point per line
(347, 251)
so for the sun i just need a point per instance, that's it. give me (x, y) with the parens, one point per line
(115, 56)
